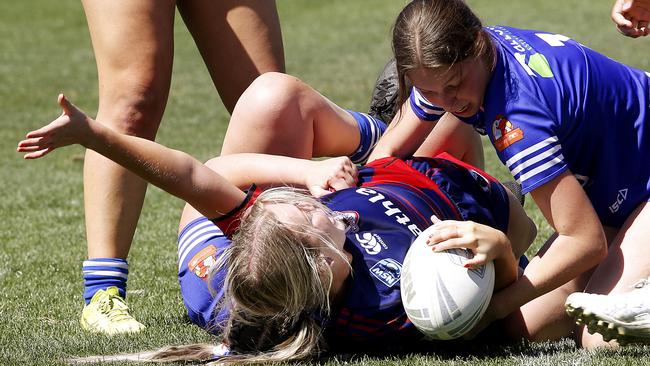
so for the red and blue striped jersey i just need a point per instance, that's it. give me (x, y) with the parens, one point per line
(392, 205)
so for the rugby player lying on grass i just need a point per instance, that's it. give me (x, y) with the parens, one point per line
(272, 313)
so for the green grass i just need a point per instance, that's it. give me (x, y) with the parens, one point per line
(336, 46)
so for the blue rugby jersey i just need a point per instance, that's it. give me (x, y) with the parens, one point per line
(553, 104)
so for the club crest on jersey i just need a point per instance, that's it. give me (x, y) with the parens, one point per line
(505, 133)
(388, 271)
(203, 261)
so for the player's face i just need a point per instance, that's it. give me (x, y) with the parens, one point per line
(334, 229)
(459, 89)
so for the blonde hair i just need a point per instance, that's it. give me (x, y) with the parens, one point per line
(436, 34)
(277, 287)
(277, 275)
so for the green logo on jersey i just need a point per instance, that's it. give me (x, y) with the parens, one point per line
(539, 64)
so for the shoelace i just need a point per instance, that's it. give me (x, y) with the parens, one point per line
(115, 308)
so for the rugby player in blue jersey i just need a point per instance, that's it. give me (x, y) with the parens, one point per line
(300, 270)
(572, 126)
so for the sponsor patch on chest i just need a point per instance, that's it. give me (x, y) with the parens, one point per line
(388, 271)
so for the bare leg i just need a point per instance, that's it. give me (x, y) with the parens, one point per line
(133, 48)
(238, 40)
(250, 44)
(279, 114)
(626, 263)
(544, 318)
(132, 96)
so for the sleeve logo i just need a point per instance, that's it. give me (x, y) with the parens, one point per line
(202, 261)
(505, 133)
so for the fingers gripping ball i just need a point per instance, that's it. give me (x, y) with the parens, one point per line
(442, 298)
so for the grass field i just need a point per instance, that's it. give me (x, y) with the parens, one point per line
(336, 46)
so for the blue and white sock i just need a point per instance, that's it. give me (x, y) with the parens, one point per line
(102, 273)
(371, 129)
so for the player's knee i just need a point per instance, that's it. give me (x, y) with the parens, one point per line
(273, 95)
(135, 112)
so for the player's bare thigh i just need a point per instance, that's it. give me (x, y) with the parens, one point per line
(279, 114)
(626, 263)
(238, 40)
(544, 318)
(133, 45)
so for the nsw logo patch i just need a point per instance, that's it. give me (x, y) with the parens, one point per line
(388, 271)
(505, 133)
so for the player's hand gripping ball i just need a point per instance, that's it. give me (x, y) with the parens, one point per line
(442, 298)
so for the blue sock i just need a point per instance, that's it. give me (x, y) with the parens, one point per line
(102, 273)
(371, 130)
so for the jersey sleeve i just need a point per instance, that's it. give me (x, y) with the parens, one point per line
(526, 142)
(428, 111)
(424, 109)
(229, 223)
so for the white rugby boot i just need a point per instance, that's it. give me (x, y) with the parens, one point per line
(623, 316)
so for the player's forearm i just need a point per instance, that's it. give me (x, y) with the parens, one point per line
(565, 259)
(171, 170)
(403, 137)
(505, 267)
(391, 145)
(262, 169)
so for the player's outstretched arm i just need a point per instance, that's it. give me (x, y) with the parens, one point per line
(631, 17)
(173, 171)
(179, 173)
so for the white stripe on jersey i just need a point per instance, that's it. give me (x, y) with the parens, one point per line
(105, 273)
(520, 164)
(200, 228)
(426, 106)
(374, 133)
(195, 236)
(538, 146)
(97, 263)
(535, 159)
(192, 244)
(557, 160)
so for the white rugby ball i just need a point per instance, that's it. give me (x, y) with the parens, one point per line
(442, 298)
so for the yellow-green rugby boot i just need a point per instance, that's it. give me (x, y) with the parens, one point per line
(108, 313)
